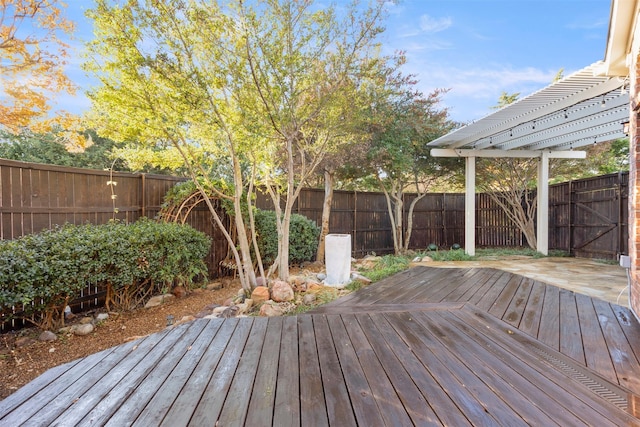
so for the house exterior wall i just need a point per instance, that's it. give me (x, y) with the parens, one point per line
(634, 179)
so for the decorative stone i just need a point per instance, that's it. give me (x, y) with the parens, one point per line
(260, 294)
(321, 276)
(230, 312)
(360, 277)
(218, 310)
(281, 291)
(242, 309)
(179, 291)
(309, 299)
(426, 259)
(47, 336)
(296, 281)
(417, 259)
(215, 286)
(82, 329)
(271, 310)
(158, 300)
(101, 317)
(185, 319)
(24, 341)
(241, 292)
(261, 281)
(86, 320)
(314, 287)
(249, 303)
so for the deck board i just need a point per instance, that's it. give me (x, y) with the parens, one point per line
(530, 321)
(426, 347)
(570, 333)
(260, 411)
(597, 358)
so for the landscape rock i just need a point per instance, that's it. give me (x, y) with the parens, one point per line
(185, 319)
(179, 291)
(82, 329)
(281, 291)
(241, 292)
(369, 262)
(47, 336)
(101, 317)
(230, 312)
(86, 320)
(360, 277)
(261, 281)
(321, 276)
(314, 287)
(260, 294)
(228, 302)
(268, 309)
(417, 259)
(426, 259)
(158, 300)
(249, 303)
(297, 281)
(242, 309)
(215, 286)
(309, 299)
(218, 310)
(24, 341)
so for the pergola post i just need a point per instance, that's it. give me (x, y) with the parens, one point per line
(542, 235)
(470, 206)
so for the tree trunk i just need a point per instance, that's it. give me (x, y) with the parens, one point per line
(407, 236)
(243, 240)
(326, 213)
(399, 207)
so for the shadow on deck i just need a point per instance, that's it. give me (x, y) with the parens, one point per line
(425, 347)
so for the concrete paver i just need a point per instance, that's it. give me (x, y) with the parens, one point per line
(581, 275)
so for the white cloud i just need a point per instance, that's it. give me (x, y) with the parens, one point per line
(473, 91)
(429, 24)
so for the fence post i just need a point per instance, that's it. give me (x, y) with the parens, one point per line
(143, 205)
(620, 210)
(571, 204)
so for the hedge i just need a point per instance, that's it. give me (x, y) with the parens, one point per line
(303, 237)
(41, 273)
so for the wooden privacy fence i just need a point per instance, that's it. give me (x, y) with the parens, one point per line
(588, 217)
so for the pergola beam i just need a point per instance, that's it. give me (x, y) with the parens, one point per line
(528, 154)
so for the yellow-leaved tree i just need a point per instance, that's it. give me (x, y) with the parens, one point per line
(32, 61)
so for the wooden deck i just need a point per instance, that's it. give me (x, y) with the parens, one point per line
(427, 347)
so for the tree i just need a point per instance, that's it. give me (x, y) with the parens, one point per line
(508, 182)
(261, 88)
(399, 157)
(505, 99)
(33, 57)
(310, 69)
(47, 149)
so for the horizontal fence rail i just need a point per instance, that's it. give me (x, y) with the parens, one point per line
(588, 217)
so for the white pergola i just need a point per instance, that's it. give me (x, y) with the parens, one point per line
(579, 110)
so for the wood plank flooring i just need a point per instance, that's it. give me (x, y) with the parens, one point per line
(425, 347)
(605, 337)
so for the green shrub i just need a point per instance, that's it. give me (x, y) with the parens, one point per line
(41, 273)
(303, 237)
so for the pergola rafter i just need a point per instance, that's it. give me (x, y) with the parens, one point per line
(579, 110)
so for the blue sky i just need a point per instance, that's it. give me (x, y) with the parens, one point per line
(474, 48)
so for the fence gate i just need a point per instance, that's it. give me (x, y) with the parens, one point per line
(599, 217)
